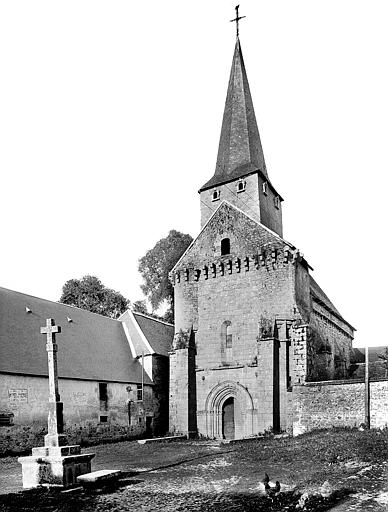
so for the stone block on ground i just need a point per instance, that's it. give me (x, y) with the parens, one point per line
(161, 439)
(99, 478)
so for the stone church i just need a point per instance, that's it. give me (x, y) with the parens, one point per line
(250, 320)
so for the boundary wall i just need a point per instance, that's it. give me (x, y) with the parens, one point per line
(340, 403)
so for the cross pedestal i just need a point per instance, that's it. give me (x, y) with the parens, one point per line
(55, 463)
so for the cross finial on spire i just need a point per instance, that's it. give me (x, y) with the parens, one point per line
(237, 19)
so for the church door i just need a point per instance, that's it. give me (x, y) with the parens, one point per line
(228, 419)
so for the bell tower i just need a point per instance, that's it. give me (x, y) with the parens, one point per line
(241, 174)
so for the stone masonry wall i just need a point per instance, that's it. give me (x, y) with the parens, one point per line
(19, 439)
(248, 200)
(299, 346)
(252, 200)
(26, 398)
(331, 345)
(249, 289)
(338, 404)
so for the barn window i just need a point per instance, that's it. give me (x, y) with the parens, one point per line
(216, 195)
(103, 418)
(103, 395)
(139, 395)
(225, 246)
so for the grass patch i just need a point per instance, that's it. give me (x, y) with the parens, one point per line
(308, 460)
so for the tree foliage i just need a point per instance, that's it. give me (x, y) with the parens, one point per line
(140, 306)
(155, 266)
(89, 293)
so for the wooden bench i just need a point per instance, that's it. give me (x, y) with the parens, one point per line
(101, 478)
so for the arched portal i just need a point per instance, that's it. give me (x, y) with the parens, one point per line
(228, 418)
(229, 411)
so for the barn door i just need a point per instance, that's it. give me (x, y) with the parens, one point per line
(228, 419)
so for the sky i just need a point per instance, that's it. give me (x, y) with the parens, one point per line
(110, 115)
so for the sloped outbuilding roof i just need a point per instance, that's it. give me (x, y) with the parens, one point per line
(159, 334)
(90, 346)
(146, 334)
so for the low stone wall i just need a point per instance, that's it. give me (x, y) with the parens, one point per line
(329, 404)
(19, 439)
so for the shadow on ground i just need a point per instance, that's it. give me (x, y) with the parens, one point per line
(124, 497)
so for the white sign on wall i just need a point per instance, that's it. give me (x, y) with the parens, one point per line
(18, 395)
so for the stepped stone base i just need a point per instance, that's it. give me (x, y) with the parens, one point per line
(54, 465)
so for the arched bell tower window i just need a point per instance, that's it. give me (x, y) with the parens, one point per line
(241, 186)
(216, 195)
(225, 246)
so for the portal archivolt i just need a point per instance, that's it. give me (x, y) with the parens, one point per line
(243, 409)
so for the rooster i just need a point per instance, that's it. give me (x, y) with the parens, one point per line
(271, 491)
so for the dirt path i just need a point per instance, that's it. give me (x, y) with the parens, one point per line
(127, 456)
(204, 476)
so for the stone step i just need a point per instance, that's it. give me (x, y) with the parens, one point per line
(161, 439)
(101, 477)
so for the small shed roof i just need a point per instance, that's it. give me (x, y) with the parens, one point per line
(159, 334)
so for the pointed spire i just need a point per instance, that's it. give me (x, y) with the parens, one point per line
(239, 152)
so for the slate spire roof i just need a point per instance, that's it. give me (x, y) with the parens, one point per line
(240, 151)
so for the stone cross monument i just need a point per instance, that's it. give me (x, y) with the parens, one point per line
(55, 463)
(54, 435)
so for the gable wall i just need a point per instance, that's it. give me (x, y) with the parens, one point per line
(264, 281)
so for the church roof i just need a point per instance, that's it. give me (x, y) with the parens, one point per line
(240, 152)
(90, 346)
(320, 296)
